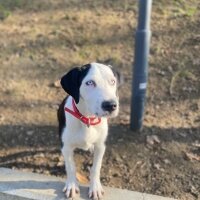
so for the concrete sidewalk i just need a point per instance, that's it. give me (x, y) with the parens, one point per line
(17, 185)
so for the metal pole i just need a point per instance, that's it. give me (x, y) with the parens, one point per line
(140, 68)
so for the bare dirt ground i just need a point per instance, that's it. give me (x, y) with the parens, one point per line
(41, 40)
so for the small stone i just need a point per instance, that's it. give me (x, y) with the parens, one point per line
(194, 191)
(158, 167)
(120, 140)
(196, 61)
(162, 73)
(157, 107)
(166, 161)
(192, 156)
(56, 84)
(183, 134)
(118, 158)
(30, 132)
(32, 105)
(152, 139)
(41, 155)
(196, 144)
(60, 164)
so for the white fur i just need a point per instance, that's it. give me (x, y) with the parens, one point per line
(78, 135)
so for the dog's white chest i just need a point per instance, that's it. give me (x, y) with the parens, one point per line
(87, 137)
(81, 136)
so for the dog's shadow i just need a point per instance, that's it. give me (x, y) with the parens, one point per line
(39, 189)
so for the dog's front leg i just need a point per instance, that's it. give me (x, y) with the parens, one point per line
(96, 190)
(71, 186)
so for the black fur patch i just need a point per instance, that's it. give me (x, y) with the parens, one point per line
(61, 118)
(71, 81)
(118, 75)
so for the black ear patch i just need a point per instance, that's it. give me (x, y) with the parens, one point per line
(118, 75)
(71, 81)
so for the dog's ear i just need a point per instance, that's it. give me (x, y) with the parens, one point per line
(118, 75)
(71, 81)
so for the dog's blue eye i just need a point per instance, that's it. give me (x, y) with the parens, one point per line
(90, 83)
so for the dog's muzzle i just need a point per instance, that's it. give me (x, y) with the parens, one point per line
(109, 106)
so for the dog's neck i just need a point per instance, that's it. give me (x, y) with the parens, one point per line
(82, 107)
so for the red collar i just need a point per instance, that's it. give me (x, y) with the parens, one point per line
(86, 120)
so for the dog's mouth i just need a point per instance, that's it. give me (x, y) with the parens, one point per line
(106, 114)
(107, 109)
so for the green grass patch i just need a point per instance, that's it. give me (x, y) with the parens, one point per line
(12, 4)
(4, 13)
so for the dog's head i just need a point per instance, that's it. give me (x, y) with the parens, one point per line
(96, 84)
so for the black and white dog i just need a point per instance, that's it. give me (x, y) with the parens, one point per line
(83, 118)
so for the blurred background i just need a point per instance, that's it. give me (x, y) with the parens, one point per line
(40, 40)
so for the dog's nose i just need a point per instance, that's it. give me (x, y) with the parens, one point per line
(109, 106)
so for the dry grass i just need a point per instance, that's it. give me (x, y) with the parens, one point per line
(41, 40)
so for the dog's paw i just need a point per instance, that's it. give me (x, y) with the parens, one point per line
(95, 190)
(71, 189)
